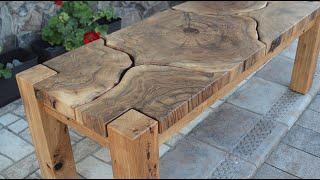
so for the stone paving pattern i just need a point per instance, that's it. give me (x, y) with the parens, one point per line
(259, 130)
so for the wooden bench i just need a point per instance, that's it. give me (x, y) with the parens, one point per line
(133, 89)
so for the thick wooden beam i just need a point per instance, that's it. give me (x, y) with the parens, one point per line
(134, 146)
(50, 137)
(306, 59)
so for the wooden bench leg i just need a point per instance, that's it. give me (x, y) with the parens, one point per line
(50, 137)
(306, 59)
(134, 146)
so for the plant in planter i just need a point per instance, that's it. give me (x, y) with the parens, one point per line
(75, 24)
(11, 63)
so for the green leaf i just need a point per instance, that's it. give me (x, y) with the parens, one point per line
(6, 73)
(102, 29)
(1, 66)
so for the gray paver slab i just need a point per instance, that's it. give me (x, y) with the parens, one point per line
(93, 168)
(8, 118)
(315, 104)
(269, 172)
(310, 119)
(103, 154)
(22, 169)
(290, 51)
(234, 168)
(4, 162)
(304, 139)
(258, 95)
(278, 70)
(19, 111)
(295, 162)
(8, 108)
(190, 158)
(260, 141)
(25, 134)
(13, 146)
(163, 149)
(18, 126)
(188, 128)
(84, 148)
(225, 126)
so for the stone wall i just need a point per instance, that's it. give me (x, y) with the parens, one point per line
(21, 21)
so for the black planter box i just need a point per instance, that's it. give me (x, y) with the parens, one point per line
(9, 88)
(45, 51)
(113, 25)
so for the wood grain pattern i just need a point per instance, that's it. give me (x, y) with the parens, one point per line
(83, 75)
(187, 40)
(134, 146)
(282, 19)
(306, 59)
(50, 137)
(220, 7)
(161, 92)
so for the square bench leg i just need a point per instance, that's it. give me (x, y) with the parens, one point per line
(50, 137)
(306, 59)
(134, 146)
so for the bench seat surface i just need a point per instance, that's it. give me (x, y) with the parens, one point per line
(167, 65)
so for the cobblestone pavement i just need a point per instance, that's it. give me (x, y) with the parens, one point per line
(260, 130)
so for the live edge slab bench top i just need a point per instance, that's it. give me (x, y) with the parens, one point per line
(170, 63)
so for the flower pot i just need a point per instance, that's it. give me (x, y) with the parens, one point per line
(113, 25)
(9, 88)
(45, 51)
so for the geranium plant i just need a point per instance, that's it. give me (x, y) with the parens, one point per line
(75, 24)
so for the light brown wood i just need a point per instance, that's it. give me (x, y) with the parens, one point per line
(134, 146)
(83, 75)
(190, 41)
(102, 140)
(50, 137)
(306, 59)
(220, 7)
(281, 19)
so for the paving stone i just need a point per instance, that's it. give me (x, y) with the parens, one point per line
(19, 111)
(23, 168)
(225, 126)
(33, 176)
(18, 126)
(195, 122)
(174, 139)
(103, 154)
(233, 90)
(260, 141)
(1, 126)
(93, 168)
(269, 172)
(190, 158)
(13, 146)
(278, 70)
(4, 162)
(163, 149)
(315, 104)
(1, 177)
(289, 107)
(304, 139)
(258, 95)
(234, 168)
(316, 83)
(8, 108)
(8, 119)
(216, 104)
(290, 51)
(84, 148)
(295, 162)
(75, 136)
(310, 119)
(25, 134)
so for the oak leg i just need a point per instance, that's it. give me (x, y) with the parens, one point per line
(134, 146)
(306, 59)
(50, 137)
